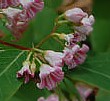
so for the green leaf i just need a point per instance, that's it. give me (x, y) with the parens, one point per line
(52, 3)
(43, 24)
(3, 28)
(95, 71)
(10, 62)
(102, 95)
(100, 36)
(29, 92)
(100, 9)
(71, 91)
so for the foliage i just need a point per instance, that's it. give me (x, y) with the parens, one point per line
(95, 71)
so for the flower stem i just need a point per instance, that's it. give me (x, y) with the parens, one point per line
(59, 41)
(57, 24)
(50, 35)
(74, 81)
(28, 58)
(39, 61)
(60, 16)
(44, 40)
(15, 46)
(38, 50)
(62, 22)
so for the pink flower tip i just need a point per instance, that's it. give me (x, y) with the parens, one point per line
(86, 27)
(52, 97)
(25, 72)
(75, 15)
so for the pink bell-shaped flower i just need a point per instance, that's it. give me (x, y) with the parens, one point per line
(31, 7)
(75, 15)
(54, 58)
(50, 76)
(86, 27)
(74, 55)
(25, 72)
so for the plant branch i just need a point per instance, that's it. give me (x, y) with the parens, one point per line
(57, 24)
(15, 46)
(44, 40)
(59, 41)
(47, 37)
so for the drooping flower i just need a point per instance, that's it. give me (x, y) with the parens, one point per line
(74, 55)
(25, 72)
(31, 7)
(19, 19)
(84, 90)
(52, 97)
(17, 26)
(50, 76)
(75, 15)
(86, 27)
(54, 58)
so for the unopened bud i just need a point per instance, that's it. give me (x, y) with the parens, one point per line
(61, 36)
(33, 67)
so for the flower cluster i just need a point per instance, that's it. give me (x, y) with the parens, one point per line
(50, 72)
(47, 67)
(82, 23)
(19, 13)
(50, 69)
(28, 69)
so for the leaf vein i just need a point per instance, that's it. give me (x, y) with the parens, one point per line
(11, 63)
(88, 69)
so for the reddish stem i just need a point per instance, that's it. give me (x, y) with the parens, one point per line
(13, 45)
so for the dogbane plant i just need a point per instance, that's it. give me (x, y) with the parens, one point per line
(48, 66)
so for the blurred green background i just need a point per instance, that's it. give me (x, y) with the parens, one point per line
(101, 35)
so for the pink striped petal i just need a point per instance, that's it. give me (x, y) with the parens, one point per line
(50, 76)
(7, 3)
